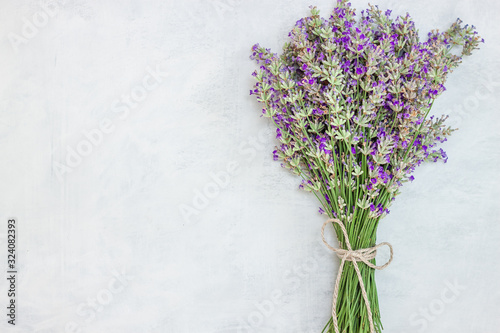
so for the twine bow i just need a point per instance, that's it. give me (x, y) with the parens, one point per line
(364, 255)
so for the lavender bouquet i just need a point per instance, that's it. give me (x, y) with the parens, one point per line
(350, 101)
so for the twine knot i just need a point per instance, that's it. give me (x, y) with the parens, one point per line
(364, 255)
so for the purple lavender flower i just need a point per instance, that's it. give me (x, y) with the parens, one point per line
(350, 99)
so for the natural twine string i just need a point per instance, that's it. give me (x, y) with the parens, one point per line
(364, 255)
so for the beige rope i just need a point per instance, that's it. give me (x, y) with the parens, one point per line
(364, 255)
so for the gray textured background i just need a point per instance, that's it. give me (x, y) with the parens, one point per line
(173, 217)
